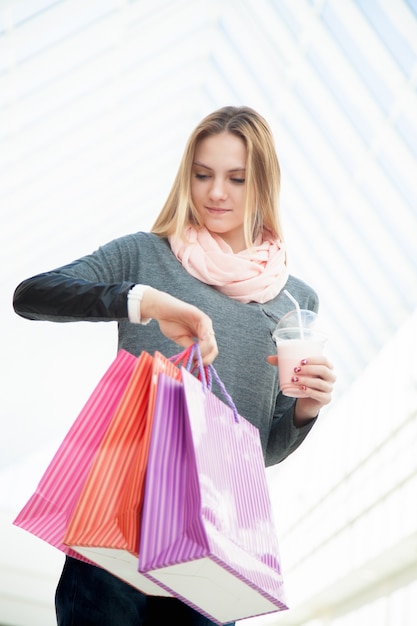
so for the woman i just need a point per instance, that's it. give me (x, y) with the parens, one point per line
(212, 269)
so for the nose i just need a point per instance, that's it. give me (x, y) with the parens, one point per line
(217, 189)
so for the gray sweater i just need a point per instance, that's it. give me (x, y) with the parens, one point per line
(95, 288)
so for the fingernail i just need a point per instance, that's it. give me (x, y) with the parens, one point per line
(304, 362)
(303, 387)
(294, 379)
(297, 370)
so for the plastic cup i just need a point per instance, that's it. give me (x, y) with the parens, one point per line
(294, 343)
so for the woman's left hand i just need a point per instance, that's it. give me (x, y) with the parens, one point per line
(316, 379)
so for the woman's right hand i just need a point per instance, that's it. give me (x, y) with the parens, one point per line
(183, 323)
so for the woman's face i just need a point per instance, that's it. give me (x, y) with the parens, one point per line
(218, 186)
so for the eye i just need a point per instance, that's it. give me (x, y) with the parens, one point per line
(199, 176)
(238, 181)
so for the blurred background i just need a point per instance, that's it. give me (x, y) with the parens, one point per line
(97, 99)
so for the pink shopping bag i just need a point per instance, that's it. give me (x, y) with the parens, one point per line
(105, 524)
(49, 509)
(208, 533)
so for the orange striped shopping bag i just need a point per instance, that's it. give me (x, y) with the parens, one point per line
(105, 525)
(49, 509)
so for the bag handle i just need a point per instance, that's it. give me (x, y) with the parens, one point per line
(187, 359)
(182, 356)
(209, 372)
(191, 360)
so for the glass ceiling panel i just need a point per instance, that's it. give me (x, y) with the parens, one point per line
(65, 19)
(399, 48)
(344, 34)
(327, 116)
(412, 5)
(346, 92)
(20, 11)
(399, 167)
(322, 160)
(407, 129)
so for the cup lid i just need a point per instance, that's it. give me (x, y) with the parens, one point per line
(292, 319)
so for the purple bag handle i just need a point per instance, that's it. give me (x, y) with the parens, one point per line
(205, 373)
(187, 358)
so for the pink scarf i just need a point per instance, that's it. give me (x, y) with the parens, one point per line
(254, 275)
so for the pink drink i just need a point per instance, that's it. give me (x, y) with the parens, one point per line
(290, 354)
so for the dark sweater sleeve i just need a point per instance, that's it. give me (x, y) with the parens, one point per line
(284, 436)
(56, 296)
(93, 288)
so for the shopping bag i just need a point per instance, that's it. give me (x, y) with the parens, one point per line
(208, 534)
(49, 509)
(105, 524)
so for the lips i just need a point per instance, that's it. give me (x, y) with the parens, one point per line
(217, 210)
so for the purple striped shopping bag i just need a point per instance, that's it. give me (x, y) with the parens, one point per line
(48, 511)
(208, 534)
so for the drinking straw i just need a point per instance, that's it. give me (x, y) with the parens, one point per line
(297, 308)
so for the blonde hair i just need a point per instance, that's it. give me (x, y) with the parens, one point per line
(262, 176)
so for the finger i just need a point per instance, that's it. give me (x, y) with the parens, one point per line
(272, 360)
(313, 370)
(317, 360)
(208, 348)
(314, 387)
(208, 354)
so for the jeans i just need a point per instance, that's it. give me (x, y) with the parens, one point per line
(89, 596)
